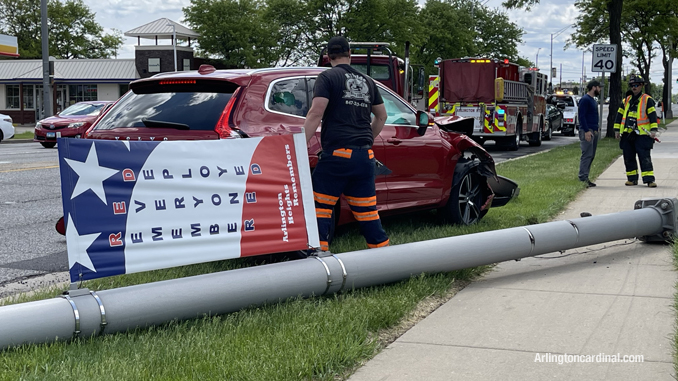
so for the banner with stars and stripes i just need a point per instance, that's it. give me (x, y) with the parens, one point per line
(132, 206)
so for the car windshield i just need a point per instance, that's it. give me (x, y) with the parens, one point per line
(196, 109)
(83, 109)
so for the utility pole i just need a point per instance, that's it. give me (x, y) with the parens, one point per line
(46, 93)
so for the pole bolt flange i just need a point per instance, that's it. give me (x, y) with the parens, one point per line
(664, 205)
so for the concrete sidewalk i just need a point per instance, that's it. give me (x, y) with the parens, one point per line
(612, 298)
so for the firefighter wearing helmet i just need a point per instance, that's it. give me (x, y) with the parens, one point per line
(636, 127)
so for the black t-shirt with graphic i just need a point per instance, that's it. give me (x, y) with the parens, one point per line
(347, 119)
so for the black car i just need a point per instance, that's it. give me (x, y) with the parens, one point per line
(554, 115)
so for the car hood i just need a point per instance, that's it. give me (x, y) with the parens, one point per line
(62, 120)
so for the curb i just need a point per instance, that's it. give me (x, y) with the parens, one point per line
(10, 141)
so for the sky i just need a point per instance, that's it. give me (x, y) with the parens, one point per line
(550, 17)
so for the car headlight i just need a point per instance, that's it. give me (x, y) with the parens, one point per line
(38, 125)
(76, 125)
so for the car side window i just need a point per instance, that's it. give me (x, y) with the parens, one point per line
(310, 83)
(289, 96)
(396, 111)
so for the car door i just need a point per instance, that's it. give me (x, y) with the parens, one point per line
(416, 162)
(288, 101)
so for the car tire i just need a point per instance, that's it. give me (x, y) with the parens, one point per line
(466, 197)
(549, 131)
(535, 140)
(2, 137)
(514, 141)
(48, 144)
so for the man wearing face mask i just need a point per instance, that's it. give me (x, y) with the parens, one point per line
(636, 127)
(588, 130)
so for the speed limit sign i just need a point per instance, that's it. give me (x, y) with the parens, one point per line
(604, 58)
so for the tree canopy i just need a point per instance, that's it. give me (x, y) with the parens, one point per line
(73, 31)
(256, 33)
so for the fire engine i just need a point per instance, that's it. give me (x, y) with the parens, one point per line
(507, 102)
(377, 60)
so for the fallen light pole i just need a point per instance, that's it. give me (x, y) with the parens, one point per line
(84, 313)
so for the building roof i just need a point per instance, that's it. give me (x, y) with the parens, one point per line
(162, 29)
(71, 70)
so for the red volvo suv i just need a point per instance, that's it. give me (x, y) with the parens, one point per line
(431, 165)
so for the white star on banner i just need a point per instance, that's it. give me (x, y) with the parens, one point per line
(126, 143)
(77, 246)
(90, 175)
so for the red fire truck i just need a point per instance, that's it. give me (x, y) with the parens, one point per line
(378, 61)
(507, 102)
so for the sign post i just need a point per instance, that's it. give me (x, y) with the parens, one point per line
(604, 60)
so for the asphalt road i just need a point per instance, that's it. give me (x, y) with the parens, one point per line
(30, 204)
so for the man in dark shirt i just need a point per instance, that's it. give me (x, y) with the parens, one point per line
(588, 131)
(344, 100)
(636, 127)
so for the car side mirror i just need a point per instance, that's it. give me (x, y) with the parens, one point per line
(422, 122)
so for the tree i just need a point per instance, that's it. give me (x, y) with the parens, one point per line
(234, 31)
(73, 32)
(597, 19)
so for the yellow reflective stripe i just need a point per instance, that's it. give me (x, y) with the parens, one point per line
(371, 246)
(648, 173)
(366, 216)
(325, 198)
(323, 213)
(632, 173)
(343, 152)
(361, 201)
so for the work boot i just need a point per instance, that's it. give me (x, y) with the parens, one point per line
(652, 184)
(630, 183)
(589, 184)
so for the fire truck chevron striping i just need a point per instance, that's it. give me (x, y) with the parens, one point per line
(433, 83)
(506, 101)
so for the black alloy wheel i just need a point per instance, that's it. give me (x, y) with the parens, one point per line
(466, 199)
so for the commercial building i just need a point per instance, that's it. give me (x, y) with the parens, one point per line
(76, 80)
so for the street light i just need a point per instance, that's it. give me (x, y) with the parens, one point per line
(537, 63)
(583, 72)
(555, 35)
(174, 42)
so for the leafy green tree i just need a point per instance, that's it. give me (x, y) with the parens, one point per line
(234, 31)
(73, 31)
(599, 21)
(290, 18)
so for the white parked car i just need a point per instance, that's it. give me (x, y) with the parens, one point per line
(570, 112)
(6, 127)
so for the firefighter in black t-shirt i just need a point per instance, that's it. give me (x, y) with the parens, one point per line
(344, 100)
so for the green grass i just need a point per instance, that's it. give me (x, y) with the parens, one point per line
(675, 307)
(24, 135)
(321, 338)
